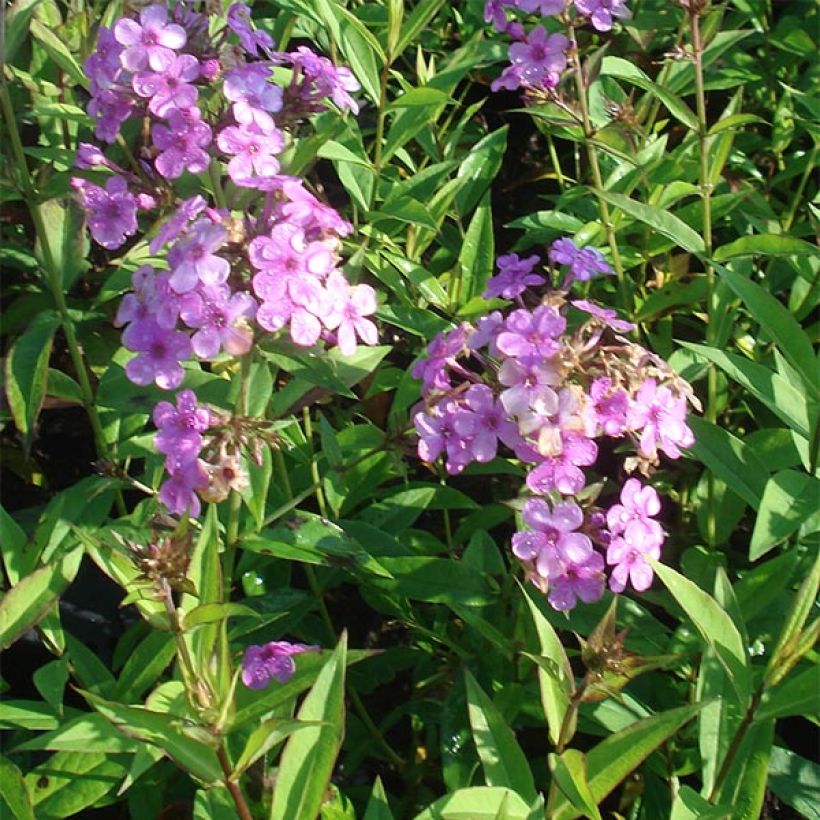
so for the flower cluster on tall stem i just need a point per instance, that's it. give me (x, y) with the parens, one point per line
(244, 264)
(548, 379)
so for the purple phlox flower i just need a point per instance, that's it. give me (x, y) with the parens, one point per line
(509, 79)
(515, 30)
(348, 308)
(254, 98)
(584, 263)
(103, 64)
(514, 276)
(287, 251)
(111, 211)
(546, 8)
(299, 207)
(192, 259)
(180, 427)
(553, 543)
(584, 580)
(494, 13)
(178, 493)
(533, 333)
(442, 353)
(239, 22)
(272, 660)
(606, 410)
(150, 42)
(160, 352)
(110, 108)
(152, 301)
(486, 332)
(562, 472)
(659, 415)
(181, 143)
(437, 435)
(602, 12)
(291, 299)
(528, 379)
(187, 211)
(171, 87)
(484, 421)
(254, 150)
(90, 156)
(220, 319)
(540, 59)
(547, 426)
(315, 78)
(633, 517)
(605, 315)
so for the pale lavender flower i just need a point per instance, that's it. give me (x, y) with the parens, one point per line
(192, 260)
(254, 149)
(160, 353)
(220, 319)
(534, 334)
(584, 263)
(171, 87)
(541, 59)
(602, 12)
(514, 276)
(111, 211)
(347, 308)
(482, 421)
(562, 472)
(437, 435)
(287, 251)
(150, 42)
(181, 143)
(254, 98)
(607, 316)
(529, 381)
(272, 660)
(511, 78)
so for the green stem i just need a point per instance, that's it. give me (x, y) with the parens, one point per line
(597, 178)
(216, 182)
(232, 787)
(706, 200)
(314, 466)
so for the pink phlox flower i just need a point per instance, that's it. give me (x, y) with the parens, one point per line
(437, 435)
(271, 661)
(160, 352)
(562, 472)
(528, 380)
(111, 211)
(659, 415)
(315, 78)
(483, 420)
(514, 276)
(254, 98)
(584, 580)
(532, 334)
(541, 58)
(171, 87)
(287, 251)
(300, 207)
(178, 493)
(486, 332)
(605, 315)
(603, 12)
(511, 77)
(442, 353)
(251, 39)
(181, 143)
(220, 319)
(254, 149)
(606, 411)
(180, 427)
(288, 298)
(192, 259)
(186, 212)
(348, 307)
(547, 426)
(103, 66)
(150, 42)
(152, 301)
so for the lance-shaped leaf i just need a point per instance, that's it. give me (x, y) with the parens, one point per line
(570, 773)
(270, 734)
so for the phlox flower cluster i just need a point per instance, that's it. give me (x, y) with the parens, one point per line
(537, 57)
(205, 96)
(545, 381)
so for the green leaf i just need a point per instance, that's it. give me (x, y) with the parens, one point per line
(89, 732)
(770, 387)
(14, 540)
(478, 803)
(628, 71)
(308, 759)
(58, 51)
(796, 781)
(798, 694)
(613, 759)
(18, 15)
(570, 772)
(714, 624)
(378, 807)
(67, 240)
(477, 257)
(766, 244)
(63, 387)
(779, 325)
(213, 613)
(734, 121)
(501, 757)
(26, 373)
(13, 792)
(689, 805)
(478, 169)
(729, 459)
(415, 22)
(789, 499)
(50, 681)
(421, 95)
(557, 688)
(144, 666)
(265, 737)
(745, 785)
(27, 602)
(662, 221)
(336, 151)
(27, 714)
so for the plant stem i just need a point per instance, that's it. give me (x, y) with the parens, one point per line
(597, 178)
(706, 200)
(314, 466)
(235, 792)
(216, 181)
